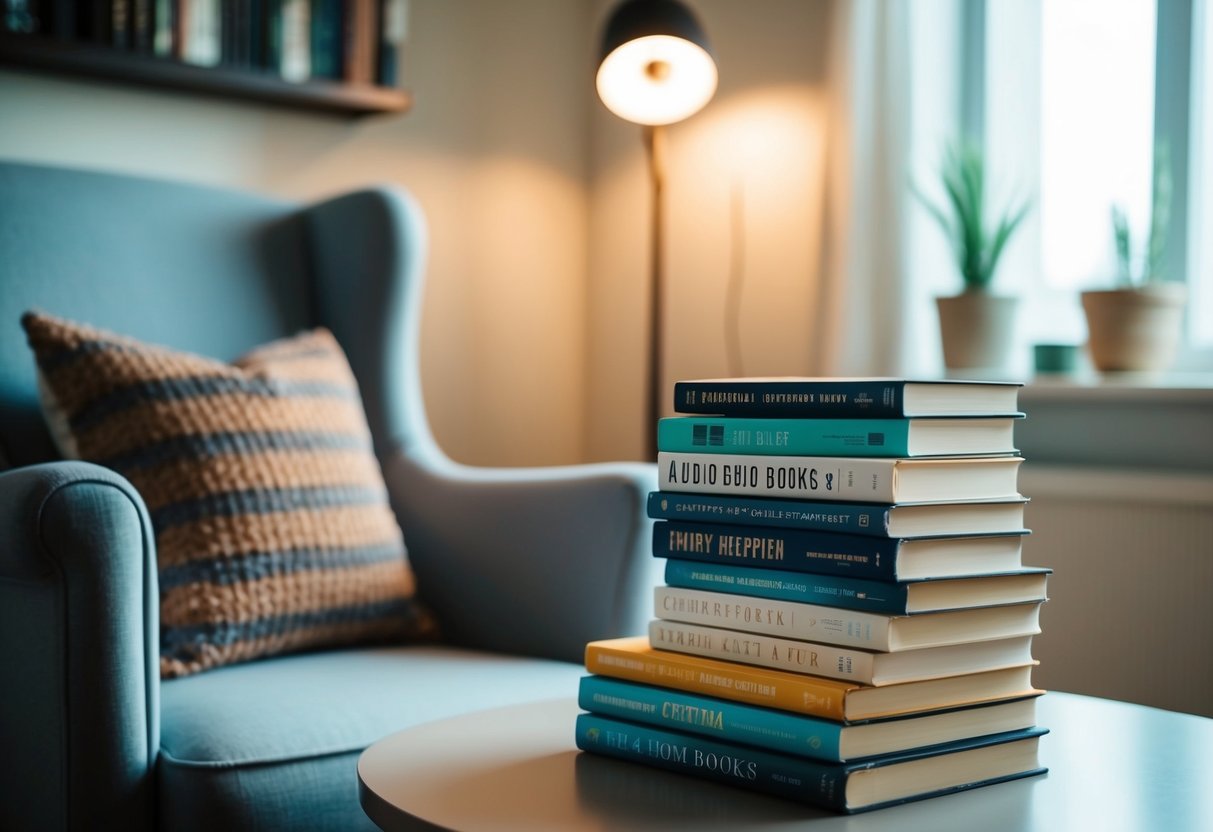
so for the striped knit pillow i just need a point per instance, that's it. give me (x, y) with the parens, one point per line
(273, 529)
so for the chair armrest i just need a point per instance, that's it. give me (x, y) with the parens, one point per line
(79, 720)
(535, 561)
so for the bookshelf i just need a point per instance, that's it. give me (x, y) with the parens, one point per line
(86, 60)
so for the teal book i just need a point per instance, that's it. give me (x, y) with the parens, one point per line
(842, 787)
(837, 437)
(790, 733)
(895, 597)
(909, 520)
(845, 398)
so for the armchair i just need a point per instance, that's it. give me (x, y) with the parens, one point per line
(520, 566)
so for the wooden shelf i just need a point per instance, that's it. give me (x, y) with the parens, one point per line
(82, 60)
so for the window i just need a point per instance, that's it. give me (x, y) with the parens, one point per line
(1079, 96)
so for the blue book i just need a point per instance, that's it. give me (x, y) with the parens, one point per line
(845, 398)
(791, 733)
(886, 781)
(899, 598)
(837, 437)
(871, 519)
(826, 553)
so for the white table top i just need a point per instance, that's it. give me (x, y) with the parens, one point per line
(1112, 766)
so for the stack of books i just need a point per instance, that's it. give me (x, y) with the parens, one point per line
(846, 619)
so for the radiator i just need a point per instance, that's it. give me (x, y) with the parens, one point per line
(1130, 611)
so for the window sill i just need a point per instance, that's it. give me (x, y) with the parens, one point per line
(1124, 421)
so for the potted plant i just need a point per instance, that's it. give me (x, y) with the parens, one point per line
(1136, 326)
(977, 326)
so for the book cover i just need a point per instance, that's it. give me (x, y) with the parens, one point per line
(845, 398)
(972, 517)
(838, 661)
(851, 628)
(900, 598)
(789, 733)
(836, 437)
(840, 478)
(960, 765)
(635, 659)
(827, 553)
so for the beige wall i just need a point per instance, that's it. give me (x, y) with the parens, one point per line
(744, 197)
(533, 338)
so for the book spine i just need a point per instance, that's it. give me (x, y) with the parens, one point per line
(718, 718)
(360, 36)
(806, 588)
(790, 399)
(785, 437)
(790, 477)
(292, 40)
(393, 31)
(735, 682)
(851, 518)
(327, 34)
(786, 619)
(827, 660)
(824, 553)
(807, 781)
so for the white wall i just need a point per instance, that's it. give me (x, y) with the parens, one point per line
(496, 150)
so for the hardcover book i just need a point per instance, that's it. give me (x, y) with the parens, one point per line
(836, 437)
(841, 478)
(845, 398)
(903, 598)
(845, 787)
(832, 625)
(838, 662)
(789, 733)
(873, 558)
(972, 517)
(635, 659)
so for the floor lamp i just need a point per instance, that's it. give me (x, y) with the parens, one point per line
(655, 68)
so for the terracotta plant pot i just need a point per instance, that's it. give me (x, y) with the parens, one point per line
(978, 332)
(1135, 329)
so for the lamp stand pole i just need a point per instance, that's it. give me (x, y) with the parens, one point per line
(655, 142)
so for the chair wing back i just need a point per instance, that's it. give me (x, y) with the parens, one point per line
(194, 268)
(368, 251)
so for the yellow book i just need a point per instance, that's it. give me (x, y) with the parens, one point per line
(635, 660)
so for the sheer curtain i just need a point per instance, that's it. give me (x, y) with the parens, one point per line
(895, 92)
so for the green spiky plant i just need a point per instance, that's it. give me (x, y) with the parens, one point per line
(1160, 217)
(977, 246)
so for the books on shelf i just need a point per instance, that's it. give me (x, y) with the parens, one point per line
(635, 659)
(791, 733)
(903, 520)
(833, 625)
(838, 662)
(896, 597)
(837, 437)
(898, 480)
(828, 553)
(845, 398)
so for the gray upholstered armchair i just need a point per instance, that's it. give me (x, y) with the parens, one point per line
(520, 566)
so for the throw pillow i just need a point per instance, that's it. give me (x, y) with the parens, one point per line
(273, 528)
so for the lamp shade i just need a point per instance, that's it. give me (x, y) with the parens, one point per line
(656, 65)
